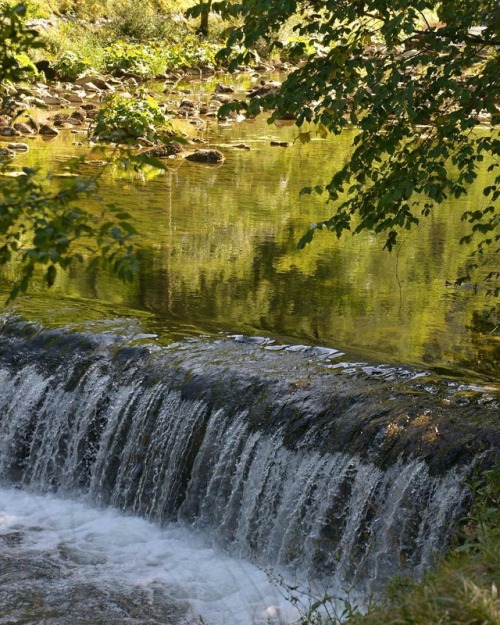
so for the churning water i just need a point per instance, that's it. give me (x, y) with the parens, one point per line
(66, 545)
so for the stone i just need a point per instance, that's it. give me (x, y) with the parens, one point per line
(221, 97)
(165, 150)
(79, 115)
(95, 81)
(51, 100)
(23, 128)
(89, 86)
(18, 147)
(7, 153)
(241, 146)
(281, 144)
(74, 98)
(48, 131)
(206, 156)
(35, 126)
(8, 131)
(221, 88)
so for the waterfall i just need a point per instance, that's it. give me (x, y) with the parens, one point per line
(222, 438)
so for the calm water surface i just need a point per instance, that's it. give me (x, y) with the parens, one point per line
(220, 256)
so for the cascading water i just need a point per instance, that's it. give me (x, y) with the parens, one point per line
(337, 473)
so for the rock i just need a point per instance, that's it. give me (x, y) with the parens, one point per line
(281, 144)
(241, 146)
(92, 113)
(185, 103)
(89, 106)
(35, 126)
(265, 88)
(79, 115)
(23, 128)
(167, 149)
(90, 87)
(74, 98)
(48, 131)
(221, 88)
(77, 144)
(221, 97)
(206, 156)
(145, 143)
(51, 100)
(95, 81)
(8, 131)
(59, 117)
(18, 147)
(6, 153)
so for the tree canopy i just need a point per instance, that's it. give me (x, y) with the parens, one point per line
(418, 79)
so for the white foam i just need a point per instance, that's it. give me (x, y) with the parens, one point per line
(107, 545)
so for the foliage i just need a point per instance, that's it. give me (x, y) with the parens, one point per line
(191, 52)
(76, 48)
(158, 57)
(40, 224)
(124, 118)
(15, 39)
(47, 228)
(135, 58)
(69, 66)
(139, 21)
(417, 92)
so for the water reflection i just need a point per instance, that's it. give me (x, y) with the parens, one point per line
(220, 256)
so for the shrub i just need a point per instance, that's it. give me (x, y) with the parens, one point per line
(138, 59)
(125, 119)
(69, 66)
(138, 21)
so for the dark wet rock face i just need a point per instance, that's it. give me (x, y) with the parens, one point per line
(36, 589)
(287, 455)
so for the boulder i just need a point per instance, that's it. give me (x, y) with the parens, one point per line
(8, 131)
(166, 149)
(18, 147)
(48, 130)
(23, 128)
(79, 115)
(95, 81)
(74, 98)
(221, 88)
(51, 100)
(211, 156)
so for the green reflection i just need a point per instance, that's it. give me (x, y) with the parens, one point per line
(220, 256)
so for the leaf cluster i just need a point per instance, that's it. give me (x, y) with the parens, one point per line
(417, 93)
(47, 228)
(125, 119)
(16, 38)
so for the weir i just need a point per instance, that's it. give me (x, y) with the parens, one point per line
(283, 455)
